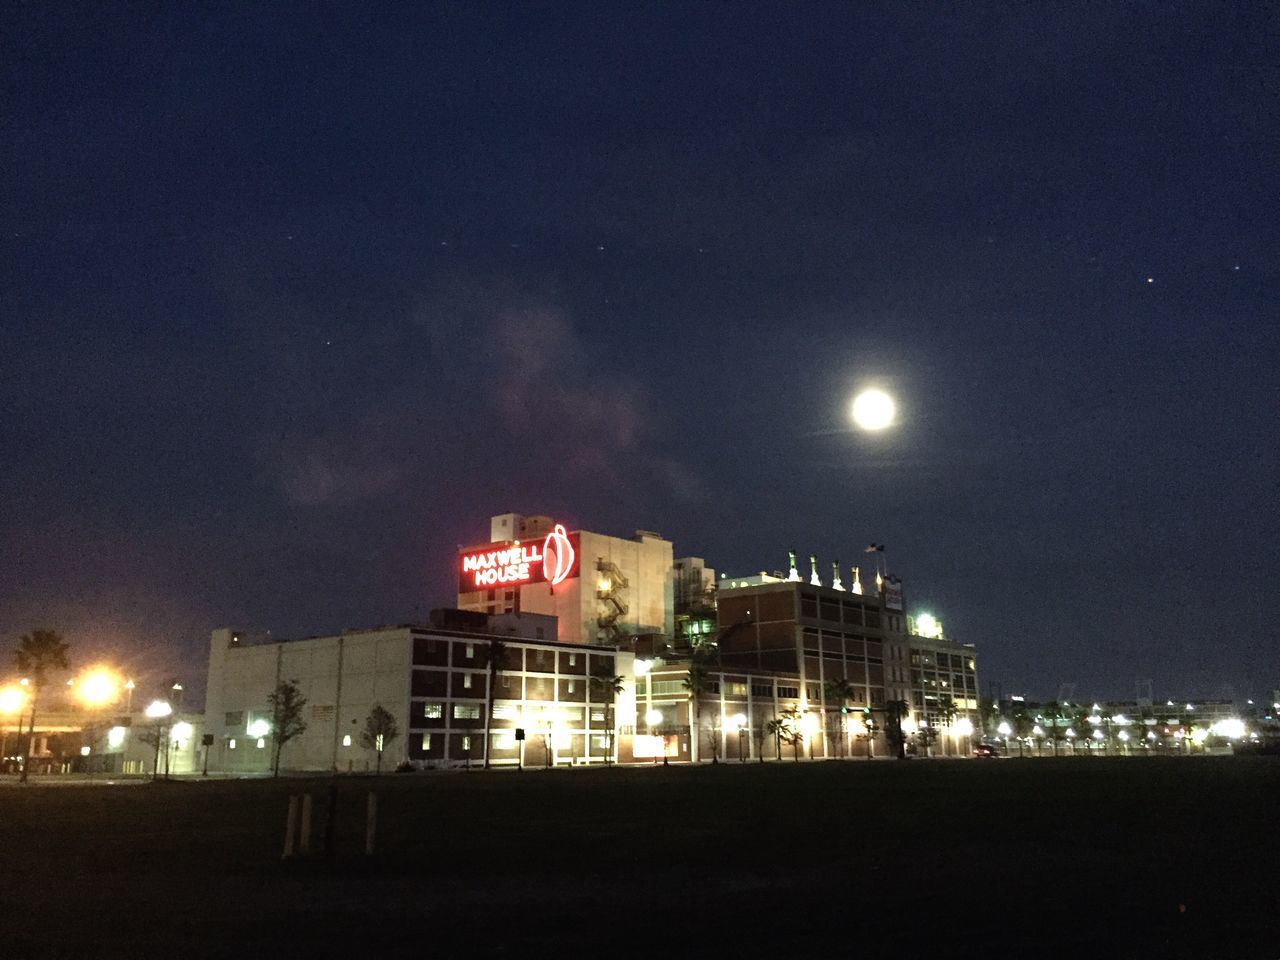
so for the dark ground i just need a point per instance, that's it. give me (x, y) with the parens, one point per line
(1161, 858)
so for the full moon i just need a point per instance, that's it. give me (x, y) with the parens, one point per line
(873, 410)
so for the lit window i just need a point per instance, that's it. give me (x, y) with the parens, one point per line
(346, 741)
(504, 711)
(261, 743)
(426, 742)
(466, 711)
(573, 659)
(231, 744)
(471, 651)
(433, 711)
(506, 682)
(597, 716)
(466, 681)
(378, 745)
(571, 686)
(466, 743)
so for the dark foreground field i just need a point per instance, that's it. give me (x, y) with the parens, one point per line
(1093, 858)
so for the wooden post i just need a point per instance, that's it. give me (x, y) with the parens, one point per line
(331, 820)
(304, 831)
(370, 824)
(290, 825)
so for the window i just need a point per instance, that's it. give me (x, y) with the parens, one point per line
(466, 711)
(346, 740)
(261, 743)
(506, 682)
(573, 659)
(735, 689)
(466, 681)
(433, 711)
(539, 633)
(466, 744)
(570, 684)
(471, 651)
(668, 687)
(234, 718)
(426, 742)
(597, 716)
(762, 690)
(504, 711)
(792, 692)
(231, 744)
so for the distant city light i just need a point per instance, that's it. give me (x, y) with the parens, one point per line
(1232, 728)
(927, 626)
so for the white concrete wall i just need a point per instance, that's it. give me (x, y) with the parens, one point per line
(340, 677)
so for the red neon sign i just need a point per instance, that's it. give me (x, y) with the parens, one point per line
(552, 561)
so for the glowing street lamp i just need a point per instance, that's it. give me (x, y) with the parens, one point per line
(12, 700)
(99, 687)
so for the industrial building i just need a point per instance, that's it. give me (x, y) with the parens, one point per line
(600, 588)
(435, 680)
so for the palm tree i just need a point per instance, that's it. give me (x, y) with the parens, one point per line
(1022, 727)
(1083, 727)
(39, 652)
(838, 691)
(697, 683)
(777, 729)
(1052, 714)
(497, 651)
(894, 712)
(608, 685)
(792, 731)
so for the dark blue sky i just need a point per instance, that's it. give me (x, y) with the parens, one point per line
(294, 298)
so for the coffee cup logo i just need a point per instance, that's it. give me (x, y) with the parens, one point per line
(557, 556)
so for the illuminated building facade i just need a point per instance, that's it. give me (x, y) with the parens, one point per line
(434, 680)
(600, 588)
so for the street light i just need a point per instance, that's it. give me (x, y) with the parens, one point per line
(740, 721)
(99, 687)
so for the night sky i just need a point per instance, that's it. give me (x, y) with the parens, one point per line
(294, 297)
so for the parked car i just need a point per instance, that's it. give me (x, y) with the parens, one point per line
(986, 750)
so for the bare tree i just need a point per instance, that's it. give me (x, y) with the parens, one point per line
(286, 702)
(379, 730)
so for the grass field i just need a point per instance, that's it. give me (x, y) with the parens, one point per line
(1101, 858)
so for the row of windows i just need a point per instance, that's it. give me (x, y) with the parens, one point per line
(838, 611)
(503, 711)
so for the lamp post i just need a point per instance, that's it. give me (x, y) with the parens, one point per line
(652, 718)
